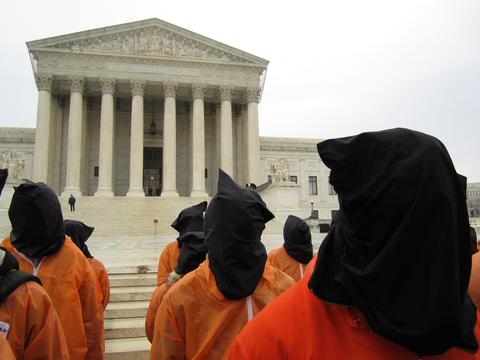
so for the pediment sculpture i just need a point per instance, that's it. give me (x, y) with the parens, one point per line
(153, 40)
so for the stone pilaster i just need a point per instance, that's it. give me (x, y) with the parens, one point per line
(226, 131)
(42, 134)
(169, 188)
(198, 142)
(105, 156)
(74, 146)
(137, 88)
(252, 150)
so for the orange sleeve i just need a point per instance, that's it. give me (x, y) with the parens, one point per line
(104, 284)
(168, 343)
(157, 297)
(164, 263)
(46, 339)
(474, 285)
(92, 313)
(5, 349)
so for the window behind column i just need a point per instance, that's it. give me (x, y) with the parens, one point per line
(312, 185)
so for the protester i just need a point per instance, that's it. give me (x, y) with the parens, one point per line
(200, 315)
(38, 242)
(391, 276)
(189, 219)
(192, 254)
(251, 186)
(80, 233)
(297, 250)
(28, 319)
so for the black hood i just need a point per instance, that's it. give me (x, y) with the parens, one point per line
(192, 252)
(399, 250)
(79, 233)
(3, 179)
(36, 218)
(190, 219)
(7, 262)
(297, 239)
(234, 222)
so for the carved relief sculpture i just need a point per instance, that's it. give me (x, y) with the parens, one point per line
(280, 171)
(15, 165)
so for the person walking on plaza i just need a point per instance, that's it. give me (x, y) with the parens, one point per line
(79, 233)
(71, 202)
(297, 250)
(28, 319)
(189, 219)
(202, 313)
(391, 277)
(39, 244)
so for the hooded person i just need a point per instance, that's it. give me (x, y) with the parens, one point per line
(297, 250)
(192, 253)
(391, 277)
(28, 319)
(79, 233)
(200, 315)
(39, 244)
(189, 219)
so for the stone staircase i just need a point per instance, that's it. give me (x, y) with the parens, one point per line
(130, 295)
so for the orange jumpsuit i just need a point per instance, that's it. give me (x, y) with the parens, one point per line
(155, 302)
(34, 331)
(72, 286)
(167, 261)
(474, 285)
(102, 277)
(5, 349)
(195, 320)
(281, 260)
(300, 326)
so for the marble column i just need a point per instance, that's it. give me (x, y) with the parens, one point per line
(137, 88)
(198, 142)
(74, 146)
(42, 132)
(169, 186)
(105, 156)
(253, 139)
(226, 131)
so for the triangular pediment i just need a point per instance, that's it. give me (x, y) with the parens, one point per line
(152, 38)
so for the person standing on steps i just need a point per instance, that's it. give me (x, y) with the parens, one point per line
(71, 202)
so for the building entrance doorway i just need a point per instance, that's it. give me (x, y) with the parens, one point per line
(152, 171)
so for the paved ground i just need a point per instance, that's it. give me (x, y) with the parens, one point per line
(135, 251)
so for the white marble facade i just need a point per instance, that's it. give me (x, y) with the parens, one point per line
(101, 91)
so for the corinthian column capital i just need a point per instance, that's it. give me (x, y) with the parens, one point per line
(198, 91)
(225, 93)
(252, 95)
(137, 87)
(44, 81)
(108, 86)
(77, 84)
(169, 89)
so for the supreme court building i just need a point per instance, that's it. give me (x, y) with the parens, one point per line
(149, 109)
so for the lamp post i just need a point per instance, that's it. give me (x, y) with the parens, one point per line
(311, 212)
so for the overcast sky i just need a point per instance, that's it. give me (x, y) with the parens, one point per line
(337, 67)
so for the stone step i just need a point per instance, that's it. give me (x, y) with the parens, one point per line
(149, 268)
(124, 328)
(121, 280)
(131, 293)
(127, 349)
(126, 309)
